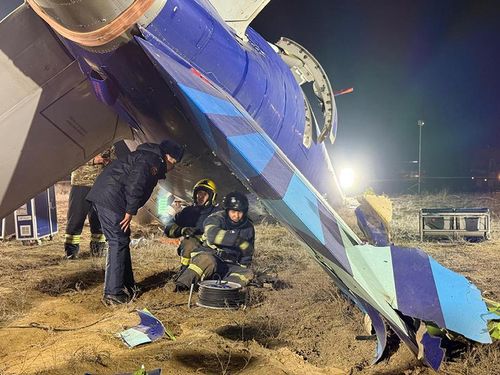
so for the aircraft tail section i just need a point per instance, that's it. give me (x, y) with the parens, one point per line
(398, 287)
(49, 116)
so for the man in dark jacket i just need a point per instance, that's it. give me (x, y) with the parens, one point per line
(189, 222)
(228, 247)
(119, 191)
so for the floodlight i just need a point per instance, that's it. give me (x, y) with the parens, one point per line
(347, 178)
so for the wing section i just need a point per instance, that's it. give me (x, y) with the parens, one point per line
(50, 120)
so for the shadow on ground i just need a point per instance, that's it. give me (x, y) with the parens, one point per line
(265, 334)
(155, 281)
(75, 282)
(215, 363)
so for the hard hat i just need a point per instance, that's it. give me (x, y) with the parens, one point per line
(236, 201)
(208, 186)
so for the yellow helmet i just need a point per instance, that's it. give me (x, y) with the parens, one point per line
(207, 185)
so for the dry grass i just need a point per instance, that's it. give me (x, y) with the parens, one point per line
(297, 321)
(13, 304)
(91, 355)
(478, 360)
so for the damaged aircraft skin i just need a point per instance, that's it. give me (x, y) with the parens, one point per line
(194, 71)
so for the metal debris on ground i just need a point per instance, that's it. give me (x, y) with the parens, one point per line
(138, 242)
(150, 329)
(374, 215)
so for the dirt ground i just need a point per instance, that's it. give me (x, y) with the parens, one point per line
(52, 320)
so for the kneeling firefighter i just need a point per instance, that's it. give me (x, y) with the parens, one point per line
(228, 246)
(189, 222)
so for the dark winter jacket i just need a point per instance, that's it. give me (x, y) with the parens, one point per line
(191, 216)
(126, 184)
(234, 242)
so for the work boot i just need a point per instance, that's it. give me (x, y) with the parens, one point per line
(180, 288)
(98, 249)
(115, 300)
(185, 279)
(179, 272)
(72, 251)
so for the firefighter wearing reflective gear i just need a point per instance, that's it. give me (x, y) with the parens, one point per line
(82, 180)
(189, 222)
(228, 246)
(124, 187)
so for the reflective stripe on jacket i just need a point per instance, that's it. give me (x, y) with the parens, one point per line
(236, 240)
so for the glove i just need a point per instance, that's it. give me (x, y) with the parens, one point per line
(188, 231)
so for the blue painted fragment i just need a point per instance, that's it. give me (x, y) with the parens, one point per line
(380, 330)
(459, 298)
(372, 228)
(415, 286)
(433, 353)
(148, 330)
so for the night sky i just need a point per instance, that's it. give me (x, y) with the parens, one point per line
(435, 61)
(408, 60)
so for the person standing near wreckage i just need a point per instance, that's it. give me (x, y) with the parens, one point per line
(228, 246)
(79, 208)
(118, 193)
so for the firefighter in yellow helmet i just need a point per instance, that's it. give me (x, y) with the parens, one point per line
(189, 222)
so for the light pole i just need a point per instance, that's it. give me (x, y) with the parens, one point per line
(420, 124)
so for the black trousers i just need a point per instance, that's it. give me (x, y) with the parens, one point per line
(119, 277)
(79, 209)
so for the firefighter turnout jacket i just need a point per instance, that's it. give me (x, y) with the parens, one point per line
(190, 217)
(189, 223)
(232, 242)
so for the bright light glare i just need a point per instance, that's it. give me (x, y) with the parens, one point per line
(346, 178)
